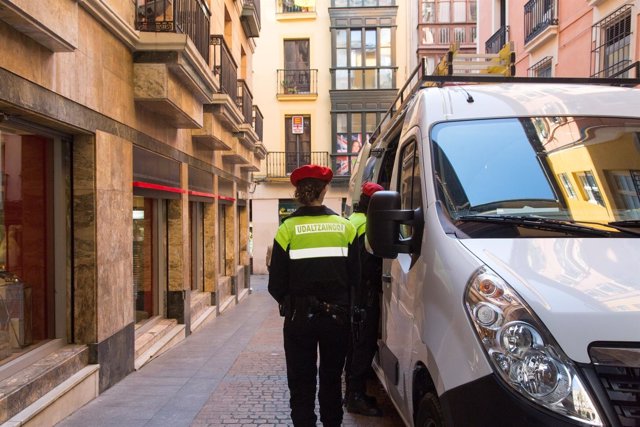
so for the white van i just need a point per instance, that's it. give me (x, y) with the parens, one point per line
(511, 237)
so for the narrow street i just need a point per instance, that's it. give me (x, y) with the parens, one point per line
(229, 373)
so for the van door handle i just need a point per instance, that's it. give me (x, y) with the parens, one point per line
(386, 278)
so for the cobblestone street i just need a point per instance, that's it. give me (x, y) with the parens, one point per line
(229, 373)
(254, 391)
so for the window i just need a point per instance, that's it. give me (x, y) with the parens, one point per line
(444, 11)
(568, 187)
(612, 40)
(410, 187)
(428, 11)
(353, 129)
(297, 71)
(590, 188)
(34, 214)
(297, 145)
(149, 255)
(626, 188)
(541, 68)
(363, 58)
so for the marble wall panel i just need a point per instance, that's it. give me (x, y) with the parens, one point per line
(84, 233)
(22, 55)
(232, 239)
(210, 252)
(114, 231)
(176, 241)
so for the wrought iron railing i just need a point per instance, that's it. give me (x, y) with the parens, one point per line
(258, 119)
(497, 40)
(446, 34)
(225, 66)
(290, 6)
(281, 163)
(244, 101)
(362, 3)
(190, 17)
(538, 15)
(256, 6)
(303, 81)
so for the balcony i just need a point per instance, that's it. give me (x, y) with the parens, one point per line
(250, 18)
(497, 40)
(295, 9)
(260, 151)
(43, 24)
(258, 120)
(190, 17)
(172, 77)
(362, 3)
(442, 36)
(280, 164)
(246, 133)
(297, 83)
(540, 22)
(225, 101)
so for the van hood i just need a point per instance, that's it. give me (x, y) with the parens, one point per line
(583, 290)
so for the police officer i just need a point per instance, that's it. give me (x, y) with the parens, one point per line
(365, 336)
(314, 261)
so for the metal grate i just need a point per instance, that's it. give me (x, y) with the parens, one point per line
(618, 370)
(541, 68)
(611, 38)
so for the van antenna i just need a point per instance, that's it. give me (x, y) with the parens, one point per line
(469, 97)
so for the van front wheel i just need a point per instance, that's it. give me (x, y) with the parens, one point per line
(429, 412)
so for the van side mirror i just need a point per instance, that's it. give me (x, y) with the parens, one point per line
(384, 218)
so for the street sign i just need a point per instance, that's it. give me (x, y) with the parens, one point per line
(297, 125)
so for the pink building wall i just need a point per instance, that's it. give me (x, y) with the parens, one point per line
(572, 45)
(574, 40)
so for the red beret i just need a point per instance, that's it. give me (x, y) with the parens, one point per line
(368, 188)
(311, 171)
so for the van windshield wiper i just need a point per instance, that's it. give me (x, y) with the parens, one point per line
(538, 222)
(627, 223)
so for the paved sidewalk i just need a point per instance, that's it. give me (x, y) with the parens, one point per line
(231, 372)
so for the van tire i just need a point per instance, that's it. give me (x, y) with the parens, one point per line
(429, 411)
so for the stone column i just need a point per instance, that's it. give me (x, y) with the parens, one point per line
(210, 251)
(103, 253)
(179, 254)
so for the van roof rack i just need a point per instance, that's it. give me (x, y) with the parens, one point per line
(458, 67)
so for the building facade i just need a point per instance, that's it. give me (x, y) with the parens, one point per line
(551, 38)
(128, 136)
(442, 24)
(337, 64)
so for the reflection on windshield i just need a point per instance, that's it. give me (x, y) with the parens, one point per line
(574, 168)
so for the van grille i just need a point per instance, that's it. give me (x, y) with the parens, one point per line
(619, 372)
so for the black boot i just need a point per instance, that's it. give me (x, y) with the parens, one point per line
(360, 403)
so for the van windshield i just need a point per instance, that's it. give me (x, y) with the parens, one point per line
(569, 170)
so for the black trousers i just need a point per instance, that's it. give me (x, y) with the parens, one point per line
(303, 337)
(363, 350)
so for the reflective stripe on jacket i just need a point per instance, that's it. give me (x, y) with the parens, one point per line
(314, 253)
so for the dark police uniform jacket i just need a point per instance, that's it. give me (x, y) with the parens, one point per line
(315, 253)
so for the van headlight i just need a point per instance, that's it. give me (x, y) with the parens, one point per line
(523, 352)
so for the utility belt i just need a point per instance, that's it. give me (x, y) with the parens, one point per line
(310, 306)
